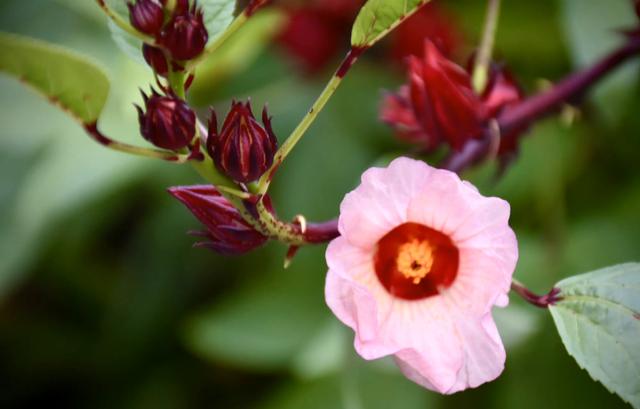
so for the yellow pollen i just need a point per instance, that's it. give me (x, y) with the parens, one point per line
(415, 260)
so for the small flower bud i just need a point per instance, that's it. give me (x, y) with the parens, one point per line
(243, 150)
(168, 122)
(439, 105)
(156, 59)
(185, 35)
(227, 232)
(146, 16)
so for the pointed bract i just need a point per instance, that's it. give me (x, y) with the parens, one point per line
(185, 35)
(243, 149)
(443, 100)
(439, 105)
(227, 232)
(156, 59)
(167, 121)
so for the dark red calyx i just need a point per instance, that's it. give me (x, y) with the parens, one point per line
(156, 59)
(166, 121)
(226, 231)
(185, 35)
(147, 16)
(243, 149)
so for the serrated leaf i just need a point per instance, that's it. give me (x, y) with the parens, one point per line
(67, 79)
(599, 322)
(378, 17)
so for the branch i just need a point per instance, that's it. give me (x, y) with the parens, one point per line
(536, 107)
(542, 301)
(530, 110)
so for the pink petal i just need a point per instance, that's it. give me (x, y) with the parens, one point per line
(475, 343)
(380, 202)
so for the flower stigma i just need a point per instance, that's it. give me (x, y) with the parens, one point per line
(415, 260)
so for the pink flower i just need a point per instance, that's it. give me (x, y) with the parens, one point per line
(421, 261)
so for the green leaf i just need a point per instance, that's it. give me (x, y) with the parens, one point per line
(599, 322)
(378, 17)
(67, 79)
(218, 14)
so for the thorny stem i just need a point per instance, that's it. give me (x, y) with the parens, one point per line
(483, 60)
(542, 301)
(122, 23)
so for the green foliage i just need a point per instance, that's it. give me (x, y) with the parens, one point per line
(266, 324)
(358, 386)
(378, 17)
(67, 79)
(592, 30)
(218, 14)
(598, 319)
(236, 54)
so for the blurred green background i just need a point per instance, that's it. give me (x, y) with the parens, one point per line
(104, 304)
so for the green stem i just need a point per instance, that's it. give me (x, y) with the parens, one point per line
(215, 44)
(176, 82)
(122, 23)
(298, 132)
(94, 132)
(483, 60)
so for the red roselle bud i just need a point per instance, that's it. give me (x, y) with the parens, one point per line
(156, 59)
(168, 122)
(243, 150)
(227, 232)
(185, 35)
(443, 100)
(397, 112)
(439, 104)
(147, 16)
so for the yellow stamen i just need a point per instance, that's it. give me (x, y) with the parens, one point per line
(415, 259)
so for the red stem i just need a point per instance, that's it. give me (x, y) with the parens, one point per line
(542, 301)
(538, 106)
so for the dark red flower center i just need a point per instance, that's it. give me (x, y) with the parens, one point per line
(414, 261)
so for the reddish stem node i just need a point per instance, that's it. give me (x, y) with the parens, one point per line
(542, 301)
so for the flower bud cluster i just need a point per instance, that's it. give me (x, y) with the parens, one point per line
(179, 34)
